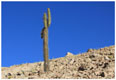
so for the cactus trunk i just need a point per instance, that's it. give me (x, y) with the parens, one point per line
(45, 44)
(45, 49)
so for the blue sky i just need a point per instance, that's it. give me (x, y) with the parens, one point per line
(75, 27)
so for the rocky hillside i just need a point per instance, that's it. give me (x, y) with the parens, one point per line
(94, 64)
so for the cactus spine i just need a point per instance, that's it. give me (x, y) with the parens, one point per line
(44, 35)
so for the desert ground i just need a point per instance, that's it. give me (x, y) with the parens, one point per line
(93, 64)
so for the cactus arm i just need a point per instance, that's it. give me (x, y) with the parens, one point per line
(45, 20)
(49, 16)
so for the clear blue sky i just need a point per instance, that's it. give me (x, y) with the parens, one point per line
(76, 27)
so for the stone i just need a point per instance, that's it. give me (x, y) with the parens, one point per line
(102, 74)
(30, 77)
(9, 74)
(105, 65)
(69, 54)
(18, 74)
(90, 50)
(71, 61)
(82, 68)
(92, 56)
(97, 73)
(106, 58)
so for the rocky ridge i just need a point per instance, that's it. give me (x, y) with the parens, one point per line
(93, 64)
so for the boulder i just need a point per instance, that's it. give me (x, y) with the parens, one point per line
(69, 54)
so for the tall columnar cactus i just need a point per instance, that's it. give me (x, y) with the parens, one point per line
(44, 36)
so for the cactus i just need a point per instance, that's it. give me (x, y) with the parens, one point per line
(44, 36)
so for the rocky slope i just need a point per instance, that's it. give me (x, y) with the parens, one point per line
(94, 64)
